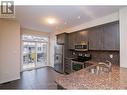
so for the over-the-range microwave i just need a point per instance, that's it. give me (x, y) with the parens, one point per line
(81, 47)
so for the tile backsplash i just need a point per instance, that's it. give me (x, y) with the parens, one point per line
(112, 56)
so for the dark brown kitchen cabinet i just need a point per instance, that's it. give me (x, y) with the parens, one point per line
(103, 37)
(111, 36)
(72, 40)
(67, 66)
(95, 38)
(81, 36)
(62, 38)
(77, 38)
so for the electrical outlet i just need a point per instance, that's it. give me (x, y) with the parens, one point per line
(111, 55)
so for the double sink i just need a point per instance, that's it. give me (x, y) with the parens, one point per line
(100, 68)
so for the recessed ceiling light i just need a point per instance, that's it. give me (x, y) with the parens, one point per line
(51, 21)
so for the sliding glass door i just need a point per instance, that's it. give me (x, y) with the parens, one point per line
(35, 52)
(41, 54)
(29, 55)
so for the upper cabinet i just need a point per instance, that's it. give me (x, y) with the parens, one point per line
(104, 37)
(82, 36)
(95, 38)
(62, 38)
(72, 40)
(77, 38)
(111, 36)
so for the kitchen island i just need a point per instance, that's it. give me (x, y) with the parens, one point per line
(83, 79)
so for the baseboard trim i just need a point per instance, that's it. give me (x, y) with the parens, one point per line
(8, 81)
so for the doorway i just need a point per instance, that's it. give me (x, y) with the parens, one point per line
(34, 51)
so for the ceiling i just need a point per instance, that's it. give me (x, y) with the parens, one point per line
(32, 17)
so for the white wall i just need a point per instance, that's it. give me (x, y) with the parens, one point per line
(123, 37)
(9, 50)
(34, 32)
(52, 48)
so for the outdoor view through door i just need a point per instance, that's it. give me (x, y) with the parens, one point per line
(35, 52)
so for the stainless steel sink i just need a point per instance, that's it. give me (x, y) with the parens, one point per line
(98, 69)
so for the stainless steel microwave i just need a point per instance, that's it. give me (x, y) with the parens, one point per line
(81, 47)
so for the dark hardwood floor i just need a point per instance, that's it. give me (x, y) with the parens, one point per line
(42, 78)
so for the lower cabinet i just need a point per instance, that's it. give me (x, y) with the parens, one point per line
(67, 66)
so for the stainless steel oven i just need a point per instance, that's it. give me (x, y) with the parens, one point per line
(79, 62)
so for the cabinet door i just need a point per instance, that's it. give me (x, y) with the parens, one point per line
(95, 38)
(71, 40)
(67, 66)
(76, 38)
(81, 37)
(60, 38)
(111, 36)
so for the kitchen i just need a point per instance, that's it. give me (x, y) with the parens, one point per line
(83, 54)
(60, 47)
(67, 51)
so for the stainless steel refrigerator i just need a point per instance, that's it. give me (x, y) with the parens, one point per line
(59, 58)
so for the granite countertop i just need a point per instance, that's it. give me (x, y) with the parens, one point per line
(82, 79)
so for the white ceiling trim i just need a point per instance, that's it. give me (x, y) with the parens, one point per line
(105, 19)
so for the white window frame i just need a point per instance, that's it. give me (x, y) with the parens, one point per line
(22, 41)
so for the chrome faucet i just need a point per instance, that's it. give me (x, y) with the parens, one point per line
(108, 64)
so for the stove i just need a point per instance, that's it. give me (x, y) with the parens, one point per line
(79, 62)
(83, 58)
